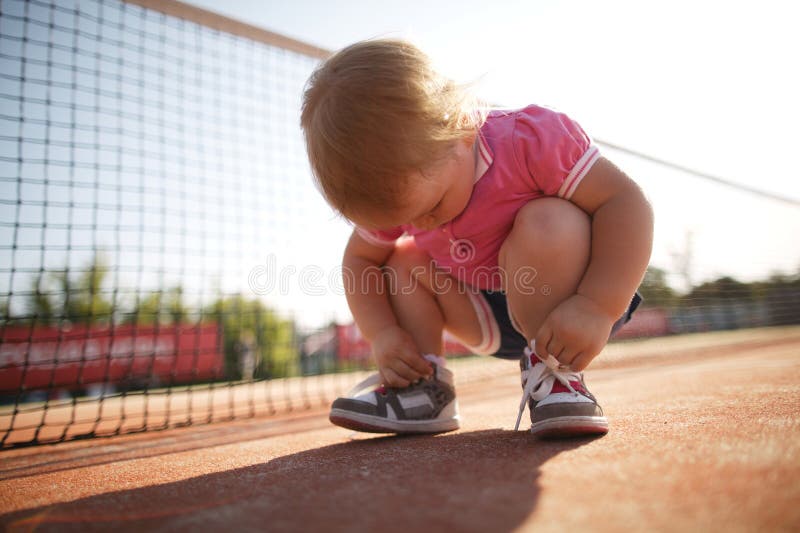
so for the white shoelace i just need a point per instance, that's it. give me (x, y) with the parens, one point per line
(539, 380)
(370, 384)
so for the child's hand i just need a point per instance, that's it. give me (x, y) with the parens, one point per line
(399, 361)
(574, 332)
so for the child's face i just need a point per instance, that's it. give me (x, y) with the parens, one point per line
(437, 196)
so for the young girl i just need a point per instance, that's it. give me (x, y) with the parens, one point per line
(507, 228)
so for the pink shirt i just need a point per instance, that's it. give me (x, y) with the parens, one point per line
(522, 155)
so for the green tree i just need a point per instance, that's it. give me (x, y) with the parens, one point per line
(5, 309)
(249, 327)
(781, 293)
(79, 299)
(41, 305)
(160, 307)
(655, 290)
(722, 289)
(84, 299)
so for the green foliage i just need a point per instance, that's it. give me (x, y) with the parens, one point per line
(656, 291)
(720, 290)
(782, 295)
(5, 309)
(81, 298)
(257, 343)
(40, 303)
(160, 307)
(777, 282)
(776, 300)
(248, 325)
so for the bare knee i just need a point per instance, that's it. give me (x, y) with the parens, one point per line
(407, 258)
(548, 218)
(407, 267)
(548, 224)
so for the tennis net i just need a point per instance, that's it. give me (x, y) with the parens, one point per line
(164, 257)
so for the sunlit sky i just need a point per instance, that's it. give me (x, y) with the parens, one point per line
(708, 85)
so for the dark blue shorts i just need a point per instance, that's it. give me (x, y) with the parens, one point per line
(509, 341)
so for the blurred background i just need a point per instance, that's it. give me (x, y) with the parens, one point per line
(161, 238)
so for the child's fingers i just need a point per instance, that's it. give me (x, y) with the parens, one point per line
(418, 363)
(393, 379)
(542, 341)
(555, 348)
(404, 370)
(567, 357)
(583, 359)
(580, 362)
(403, 373)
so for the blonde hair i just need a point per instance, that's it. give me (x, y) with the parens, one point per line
(375, 112)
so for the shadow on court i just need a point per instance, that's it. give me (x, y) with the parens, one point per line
(31, 461)
(472, 481)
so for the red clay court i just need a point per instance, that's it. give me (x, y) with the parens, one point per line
(158, 221)
(705, 436)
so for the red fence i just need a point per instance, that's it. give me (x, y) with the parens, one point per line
(52, 358)
(646, 322)
(351, 346)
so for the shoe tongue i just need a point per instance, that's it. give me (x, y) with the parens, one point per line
(560, 387)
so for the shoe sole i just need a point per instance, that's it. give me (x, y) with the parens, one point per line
(570, 426)
(376, 424)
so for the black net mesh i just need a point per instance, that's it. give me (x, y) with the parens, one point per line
(166, 261)
(148, 165)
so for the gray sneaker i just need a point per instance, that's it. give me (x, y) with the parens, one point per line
(560, 403)
(426, 406)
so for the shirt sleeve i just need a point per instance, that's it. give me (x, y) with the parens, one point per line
(382, 238)
(552, 150)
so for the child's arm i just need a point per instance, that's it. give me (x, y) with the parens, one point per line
(398, 359)
(622, 238)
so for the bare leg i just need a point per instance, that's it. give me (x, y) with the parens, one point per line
(426, 300)
(544, 259)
